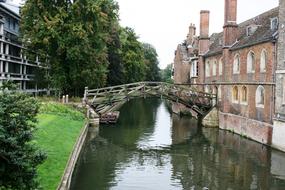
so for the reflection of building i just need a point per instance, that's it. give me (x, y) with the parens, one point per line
(14, 64)
(239, 64)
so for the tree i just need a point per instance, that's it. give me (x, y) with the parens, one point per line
(18, 155)
(151, 62)
(116, 67)
(166, 74)
(132, 56)
(75, 35)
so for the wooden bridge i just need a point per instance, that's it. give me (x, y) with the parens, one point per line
(104, 100)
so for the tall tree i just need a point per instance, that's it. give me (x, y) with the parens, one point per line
(116, 67)
(132, 56)
(151, 62)
(166, 74)
(75, 35)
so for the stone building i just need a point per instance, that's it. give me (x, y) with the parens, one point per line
(245, 66)
(15, 63)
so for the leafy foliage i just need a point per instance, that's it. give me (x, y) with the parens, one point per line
(86, 45)
(61, 110)
(151, 62)
(74, 35)
(166, 74)
(18, 157)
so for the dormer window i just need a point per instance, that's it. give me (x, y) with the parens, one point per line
(274, 23)
(251, 29)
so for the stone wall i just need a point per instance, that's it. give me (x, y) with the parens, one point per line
(253, 129)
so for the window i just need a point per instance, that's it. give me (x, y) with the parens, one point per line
(208, 69)
(249, 30)
(236, 67)
(215, 68)
(244, 94)
(235, 94)
(259, 96)
(263, 61)
(194, 69)
(250, 62)
(274, 23)
(220, 93)
(221, 67)
(207, 90)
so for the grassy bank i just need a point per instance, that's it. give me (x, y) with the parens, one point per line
(58, 128)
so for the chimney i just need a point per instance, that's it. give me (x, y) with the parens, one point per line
(230, 25)
(204, 40)
(191, 34)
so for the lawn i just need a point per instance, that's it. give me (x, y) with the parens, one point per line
(58, 128)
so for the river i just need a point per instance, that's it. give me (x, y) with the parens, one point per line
(151, 149)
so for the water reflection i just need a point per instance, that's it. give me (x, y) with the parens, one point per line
(151, 149)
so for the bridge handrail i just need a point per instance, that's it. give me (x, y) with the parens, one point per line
(87, 91)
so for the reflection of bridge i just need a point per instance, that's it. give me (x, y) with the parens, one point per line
(104, 100)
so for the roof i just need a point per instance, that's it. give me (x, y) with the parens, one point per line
(262, 34)
(11, 8)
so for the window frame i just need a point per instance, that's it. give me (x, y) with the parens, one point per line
(258, 93)
(236, 65)
(250, 62)
(263, 57)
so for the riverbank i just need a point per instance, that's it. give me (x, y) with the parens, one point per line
(58, 128)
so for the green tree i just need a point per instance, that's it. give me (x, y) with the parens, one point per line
(116, 67)
(132, 56)
(75, 35)
(166, 74)
(18, 156)
(151, 62)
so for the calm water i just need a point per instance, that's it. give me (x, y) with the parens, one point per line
(151, 149)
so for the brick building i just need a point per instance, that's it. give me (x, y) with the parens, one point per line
(245, 66)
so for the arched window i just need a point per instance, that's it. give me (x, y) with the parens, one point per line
(221, 66)
(263, 61)
(259, 96)
(236, 67)
(220, 93)
(208, 69)
(235, 94)
(250, 62)
(215, 68)
(207, 89)
(244, 94)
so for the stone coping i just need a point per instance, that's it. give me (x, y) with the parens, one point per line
(67, 175)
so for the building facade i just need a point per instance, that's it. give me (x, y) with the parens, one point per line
(17, 64)
(244, 65)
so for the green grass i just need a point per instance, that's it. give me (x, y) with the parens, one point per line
(58, 128)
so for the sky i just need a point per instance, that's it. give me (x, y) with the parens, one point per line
(164, 23)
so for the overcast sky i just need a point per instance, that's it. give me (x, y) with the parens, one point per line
(164, 23)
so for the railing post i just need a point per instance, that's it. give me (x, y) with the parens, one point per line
(85, 95)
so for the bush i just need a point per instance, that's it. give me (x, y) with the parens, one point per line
(62, 110)
(19, 158)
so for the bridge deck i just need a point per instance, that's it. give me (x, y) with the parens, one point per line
(104, 100)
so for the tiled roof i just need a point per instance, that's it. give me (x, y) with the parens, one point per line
(262, 34)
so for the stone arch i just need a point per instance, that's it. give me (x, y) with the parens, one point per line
(236, 65)
(208, 66)
(263, 60)
(260, 96)
(244, 93)
(235, 94)
(214, 70)
(250, 62)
